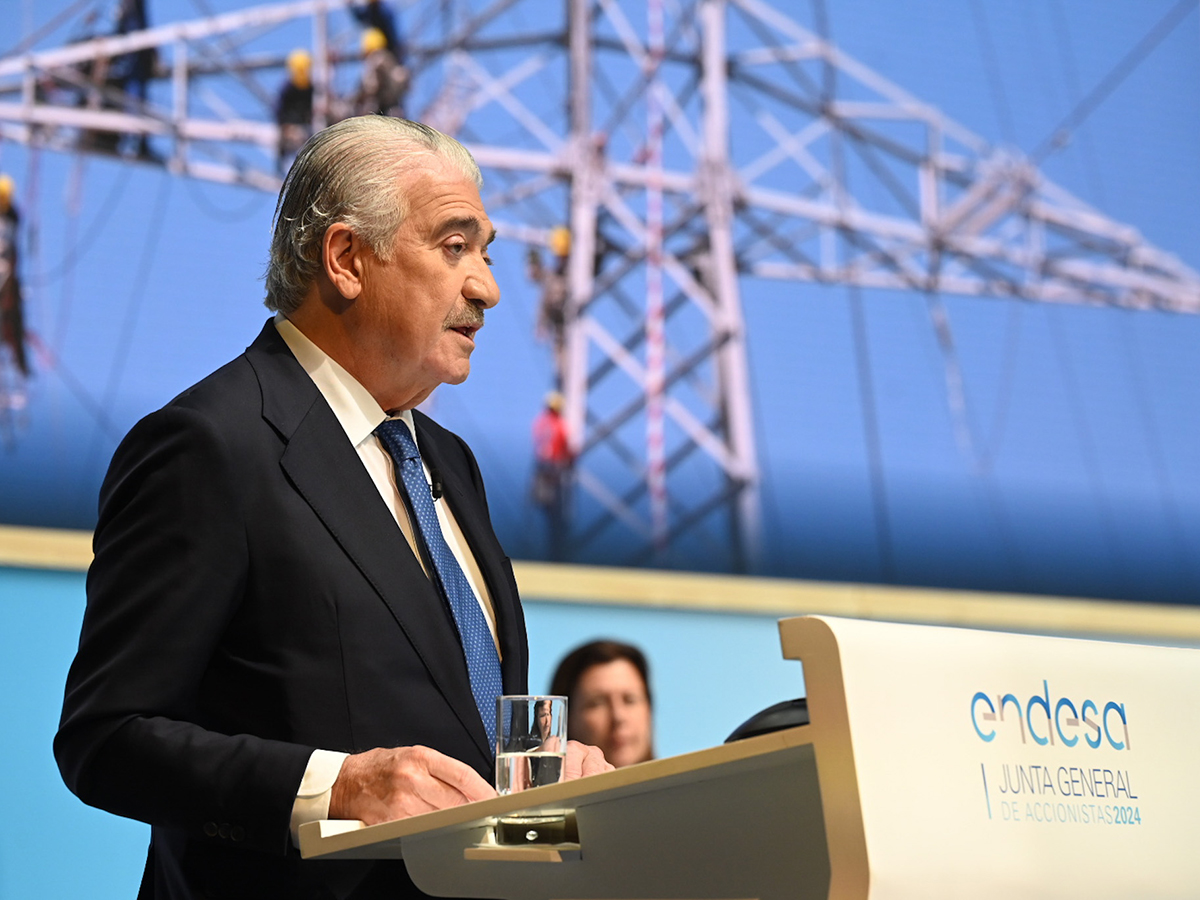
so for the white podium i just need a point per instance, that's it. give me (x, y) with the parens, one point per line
(940, 763)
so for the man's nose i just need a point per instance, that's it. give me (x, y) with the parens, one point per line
(481, 287)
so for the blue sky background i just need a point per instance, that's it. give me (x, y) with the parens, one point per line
(140, 283)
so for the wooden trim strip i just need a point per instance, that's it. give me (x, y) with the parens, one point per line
(46, 548)
(788, 597)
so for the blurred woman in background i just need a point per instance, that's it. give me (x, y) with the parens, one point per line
(607, 686)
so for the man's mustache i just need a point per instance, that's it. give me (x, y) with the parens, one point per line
(471, 317)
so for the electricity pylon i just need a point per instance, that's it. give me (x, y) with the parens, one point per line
(686, 144)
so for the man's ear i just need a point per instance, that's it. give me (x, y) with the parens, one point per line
(342, 257)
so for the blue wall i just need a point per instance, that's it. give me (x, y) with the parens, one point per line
(51, 845)
(710, 672)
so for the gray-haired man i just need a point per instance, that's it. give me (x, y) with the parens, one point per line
(281, 624)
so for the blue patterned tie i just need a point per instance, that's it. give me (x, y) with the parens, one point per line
(483, 663)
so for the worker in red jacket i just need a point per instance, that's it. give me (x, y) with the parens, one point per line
(551, 476)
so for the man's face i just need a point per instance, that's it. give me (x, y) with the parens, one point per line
(419, 312)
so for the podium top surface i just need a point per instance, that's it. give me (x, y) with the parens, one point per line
(333, 838)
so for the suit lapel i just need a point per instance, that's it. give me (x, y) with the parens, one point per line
(350, 507)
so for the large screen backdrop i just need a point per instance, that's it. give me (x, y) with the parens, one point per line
(955, 429)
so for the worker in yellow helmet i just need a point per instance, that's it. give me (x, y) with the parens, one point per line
(377, 15)
(373, 40)
(8, 226)
(384, 80)
(552, 310)
(294, 107)
(560, 241)
(299, 66)
(12, 315)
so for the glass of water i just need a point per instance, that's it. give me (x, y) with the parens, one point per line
(531, 741)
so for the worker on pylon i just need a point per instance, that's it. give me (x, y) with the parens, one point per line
(384, 80)
(378, 15)
(294, 108)
(97, 90)
(12, 314)
(553, 459)
(131, 72)
(552, 309)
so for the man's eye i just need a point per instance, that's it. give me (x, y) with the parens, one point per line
(487, 259)
(458, 248)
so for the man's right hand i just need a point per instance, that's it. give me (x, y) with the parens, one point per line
(394, 783)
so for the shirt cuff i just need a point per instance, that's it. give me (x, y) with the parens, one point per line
(316, 787)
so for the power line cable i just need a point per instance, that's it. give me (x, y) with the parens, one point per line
(66, 293)
(1087, 447)
(137, 294)
(1058, 136)
(992, 69)
(870, 413)
(828, 70)
(1052, 101)
(969, 444)
(27, 42)
(1048, 85)
(78, 249)
(133, 308)
(1062, 35)
(509, 485)
(955, 383)
(91, 406)
(227, 216)
(1012, 341)
(1149, 427)
(772, 513)
(862, 351)
(1125, 336)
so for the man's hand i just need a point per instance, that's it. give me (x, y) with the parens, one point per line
(583, 759)
(394, 783)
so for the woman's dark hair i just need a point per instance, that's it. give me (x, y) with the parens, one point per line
(597, 653)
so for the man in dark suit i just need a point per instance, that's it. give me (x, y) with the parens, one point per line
(272, 634)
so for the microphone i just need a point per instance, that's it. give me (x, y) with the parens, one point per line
(435, 486)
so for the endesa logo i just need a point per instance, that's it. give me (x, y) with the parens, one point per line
(1045, 721)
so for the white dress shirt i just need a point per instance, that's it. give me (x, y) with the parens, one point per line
(359, 415)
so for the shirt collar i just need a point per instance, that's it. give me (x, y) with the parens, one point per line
(352, 404)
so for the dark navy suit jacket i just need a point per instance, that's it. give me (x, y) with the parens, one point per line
(252, 599)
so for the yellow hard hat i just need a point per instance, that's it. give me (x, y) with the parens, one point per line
(6, 188)
(373, 39)
(555, 401)
(560, 241)
(299, 62)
